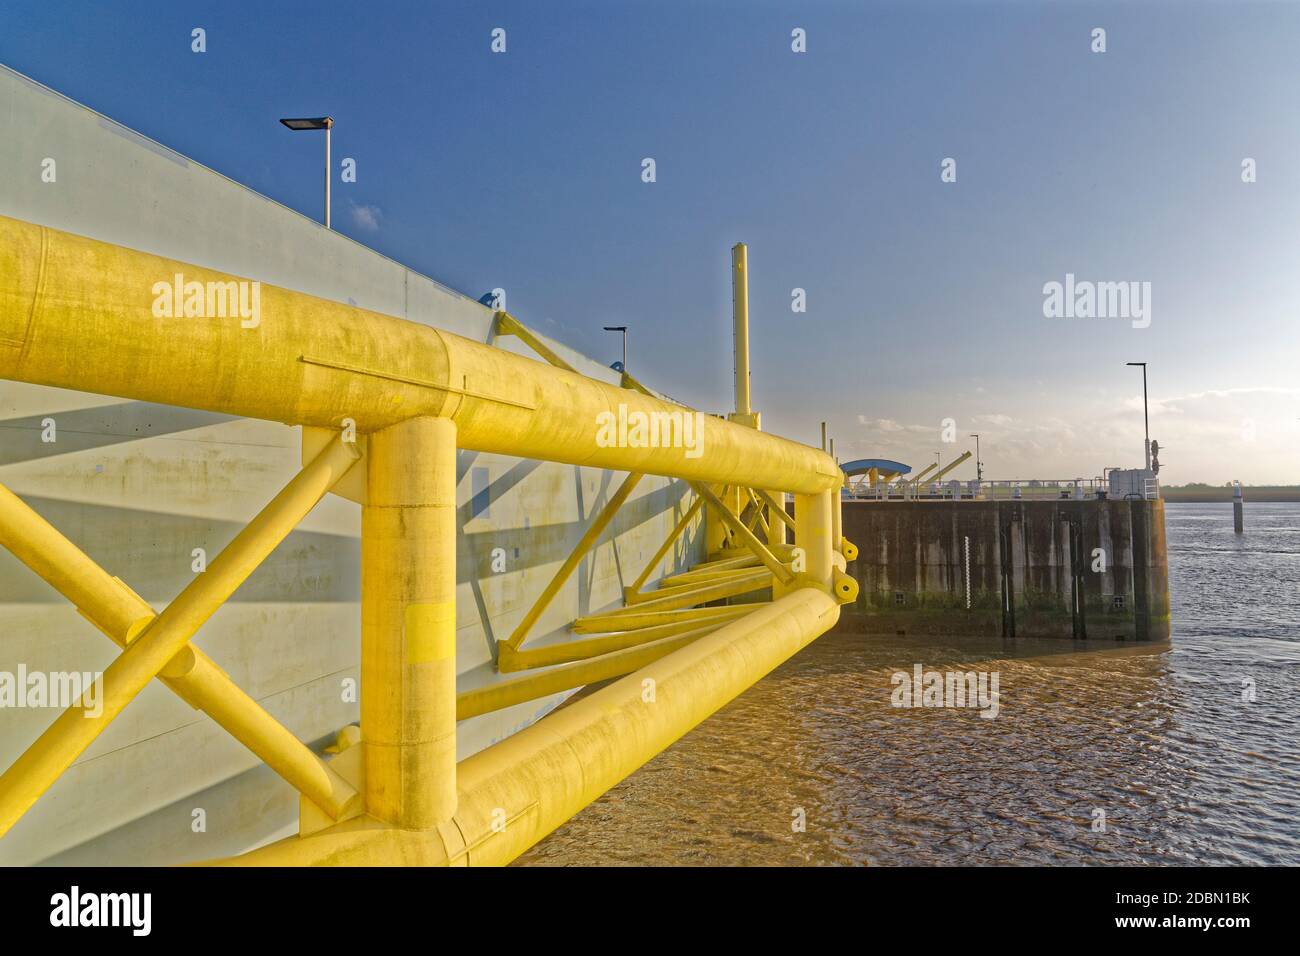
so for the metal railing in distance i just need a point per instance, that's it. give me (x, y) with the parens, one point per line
(1004, 489)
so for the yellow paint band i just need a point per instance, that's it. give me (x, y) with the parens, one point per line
(430, 632)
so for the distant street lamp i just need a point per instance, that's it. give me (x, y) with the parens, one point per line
(1146, 426)
(979, 465)
(318, 122)
(623, 329)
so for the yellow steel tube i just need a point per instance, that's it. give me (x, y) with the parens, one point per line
(408, 623)
(920, 475)
(77, 727)
(758, 515)
(691, 578)
(543, 775)
(812, 521)
(682, 524)
(507, 324)
(837, 519)
(110, 605)
(938, 475)
(770, 561)
(121, 614)
(690, 587)
(740, 560)
(688, 597)
(774, 507)
(516, 690)
(583, 649)
(78, 313)
(740, 313)
(631, 619)
(585, 544)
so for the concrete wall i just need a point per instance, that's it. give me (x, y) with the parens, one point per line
(140, 486)
(915, 558)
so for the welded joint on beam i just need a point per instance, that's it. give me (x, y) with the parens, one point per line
(770, 561)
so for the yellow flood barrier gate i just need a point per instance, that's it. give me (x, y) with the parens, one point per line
(385, 403)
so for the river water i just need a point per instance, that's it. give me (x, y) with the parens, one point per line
(1100, 753)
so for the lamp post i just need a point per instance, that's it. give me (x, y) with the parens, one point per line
(317, 122)
(1146, 426)
(979, 465)
(623, 329)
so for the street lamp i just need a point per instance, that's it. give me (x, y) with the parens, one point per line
(979, 465)
(317, 122)
(623, 329)
(1146, 425)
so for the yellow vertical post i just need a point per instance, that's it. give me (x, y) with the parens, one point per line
(812, 535)
(740, 313)
(408, 624)
(837, 518)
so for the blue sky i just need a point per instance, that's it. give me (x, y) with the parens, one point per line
(925, 299)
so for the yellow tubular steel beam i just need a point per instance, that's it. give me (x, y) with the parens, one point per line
(664, 548)
(689, 597)
(920, 475)
(78, 313)
(690, 587)
(121, 614)
(516, 690)
(762, 521)
(408, 623)
(740, 314)
(740, 560)
(507, 324)
(812, 522)
(585, 648)
(686, 578)
(752, 520)
(630, 382)
(775, 508)
(770, 561)
(938, 475)
(837, 519)
(632, 619)
(144, 658)
(585, 544)
(546, 773)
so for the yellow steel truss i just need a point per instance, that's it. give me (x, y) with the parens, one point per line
(71, 316)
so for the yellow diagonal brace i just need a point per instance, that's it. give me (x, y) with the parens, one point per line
(121, 614)
(747, 562)
(689, 597)
(741, 560)
(758, 513)
(516, 690)
(754, 515)
(632, 619)
(144, 658)
(659, 555)
(507, 324)
(770, 561)
(630, 382)
(585, 648)
(688, 587)
(585, 543)
(774, 507)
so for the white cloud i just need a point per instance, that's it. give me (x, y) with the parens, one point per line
(366, 217)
